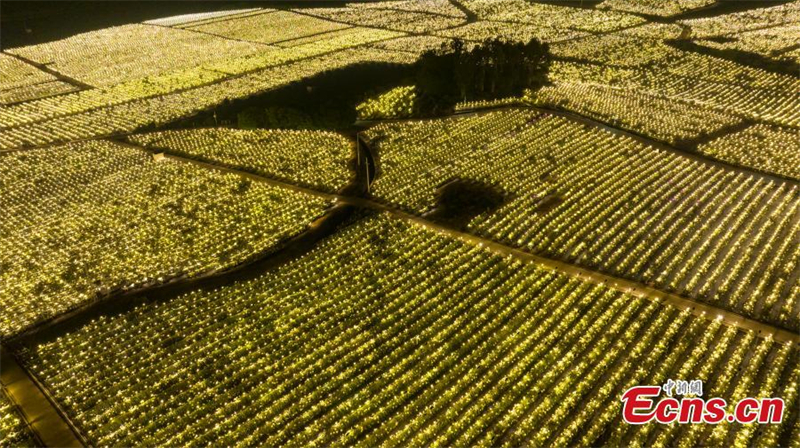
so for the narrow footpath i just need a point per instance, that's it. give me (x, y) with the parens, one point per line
(46, 420)
(43, 67)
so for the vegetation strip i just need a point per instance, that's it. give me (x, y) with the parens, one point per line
(620, 284)
(113, 304)
(623, 285)
(48, 70)
(695, 155)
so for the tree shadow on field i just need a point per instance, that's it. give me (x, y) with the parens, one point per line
(326, 101)
(458, 201)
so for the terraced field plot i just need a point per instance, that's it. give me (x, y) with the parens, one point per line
(285, 155)
(458, 349)
(115, 219)
(609, 202)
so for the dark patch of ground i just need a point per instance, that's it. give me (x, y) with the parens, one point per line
(585, 4)
(547, 202)
(728, 7)
(720, 39)
(460, 200)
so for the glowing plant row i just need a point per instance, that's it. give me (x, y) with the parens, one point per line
(202, 17)
(396, 103)
(645, 66)
(13, 431)
(657, 117)
(431, 341)
(616, 49)
(763, 147)
(605, 201)
(775, 42)
(90, 219)
(736, 23)
(314, 159)
(22, 81)
(126, 115)
(729, 87)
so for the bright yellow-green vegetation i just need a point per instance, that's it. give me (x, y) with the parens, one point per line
(606, 201)
(428, 341)
(314, 159)
(23, 81)
(13, 431)
(646, 227)
(88, 219)
(396, 103)
(770, 148)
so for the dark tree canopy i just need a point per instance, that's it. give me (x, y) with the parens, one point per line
(494, 69)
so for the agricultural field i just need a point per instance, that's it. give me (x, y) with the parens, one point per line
(609, 202)
(430, 341)
(23, 81)
(351, 224)
(281, 154)
(776, 149)
(87, 219)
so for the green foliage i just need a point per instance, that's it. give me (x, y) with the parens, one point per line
(250, 118)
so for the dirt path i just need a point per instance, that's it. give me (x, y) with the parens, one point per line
(627, 286)
(48, 422)
(54, 429)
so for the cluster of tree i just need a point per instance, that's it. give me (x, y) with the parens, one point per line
(494, 69)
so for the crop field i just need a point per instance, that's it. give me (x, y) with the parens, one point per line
(12, 429)
(312, 360)
(22, 81)
(438, 223)
(610, 202)
(89, 218)
(284, 155)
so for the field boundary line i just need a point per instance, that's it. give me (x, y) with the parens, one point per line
(628, 286)
(44, 68)
(44, 416)
(623, 285)
(578, 118)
